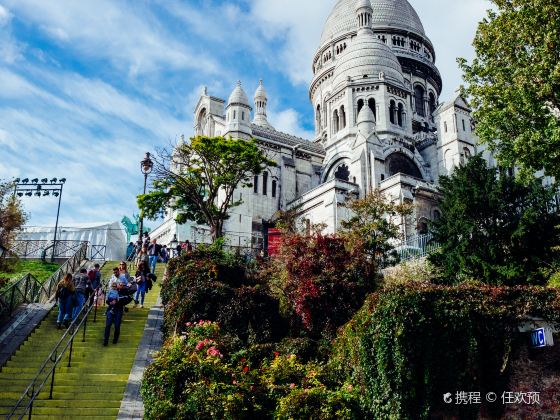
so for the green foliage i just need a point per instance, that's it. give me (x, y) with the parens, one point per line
(514, 83)
(12, 218)
(212, 284)
(423, 341)
(373, 228)
(199, 178)
(493, 228)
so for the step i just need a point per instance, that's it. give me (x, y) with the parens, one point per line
(76, 412)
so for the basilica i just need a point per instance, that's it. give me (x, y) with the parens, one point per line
(379, 124)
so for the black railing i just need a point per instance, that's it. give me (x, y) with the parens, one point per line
(47, 371)
(30, 290)
(35, 249)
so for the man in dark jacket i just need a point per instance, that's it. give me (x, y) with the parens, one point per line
(82, 284)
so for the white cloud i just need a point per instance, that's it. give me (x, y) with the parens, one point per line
(125, 34)
(289, 121)
(5, 16)
(299, 24)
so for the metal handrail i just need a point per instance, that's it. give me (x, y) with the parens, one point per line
(55, 357)
(30, 290)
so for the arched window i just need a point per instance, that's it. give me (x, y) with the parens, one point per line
(467, 152)
(256, 184)
(335, 121)
(274, 188)
(202, 120)
(419, 100)
(371, 104)
(400, 115)
(318, 117)
(445, 126)
(265, 183)
(360, 105)
(401, 163)
(437, 214)
(234, 115)
(243, 115)
(432, 101)
(423, 226)
(392, 112)
(342, 118)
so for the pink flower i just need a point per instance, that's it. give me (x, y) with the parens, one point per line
(189, 324)
(200, 345)
(292, 386)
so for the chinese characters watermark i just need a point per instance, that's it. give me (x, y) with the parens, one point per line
(508, 397)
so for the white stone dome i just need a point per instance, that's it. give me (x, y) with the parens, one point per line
(260, 93)
(396, 14)
(365, 116)
(238, 96)
(367, 57)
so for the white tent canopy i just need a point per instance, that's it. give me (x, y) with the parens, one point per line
(108, 234)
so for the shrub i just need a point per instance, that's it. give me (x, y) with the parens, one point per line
(321, 281)
(212, 284)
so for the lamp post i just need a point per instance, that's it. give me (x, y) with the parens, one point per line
(146, 167)
(173, 244)
(42, 188)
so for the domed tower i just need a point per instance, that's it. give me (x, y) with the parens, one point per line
(260, 107)
(397, 25)
(238, 114)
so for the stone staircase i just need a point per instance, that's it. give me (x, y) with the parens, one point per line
(94, 385)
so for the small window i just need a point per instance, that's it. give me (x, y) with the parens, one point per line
(256, 184)
(265, 183)
(382, 177)
(234, 115)
(464, 128)
(437, 215)
(445, 126)
(273, 188)
(239, 218)
(243, 115)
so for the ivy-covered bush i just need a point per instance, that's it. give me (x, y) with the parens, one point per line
(411, 344)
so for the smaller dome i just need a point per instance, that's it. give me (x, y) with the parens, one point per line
(366, 115)
(238, 96)
(260, 93)
(368, 57)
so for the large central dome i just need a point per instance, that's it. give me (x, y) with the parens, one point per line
(396, 14)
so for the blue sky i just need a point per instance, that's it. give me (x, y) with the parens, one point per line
(88, 86)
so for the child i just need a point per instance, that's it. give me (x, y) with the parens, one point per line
(112, 297)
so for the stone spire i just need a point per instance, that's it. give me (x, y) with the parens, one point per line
(260, 107)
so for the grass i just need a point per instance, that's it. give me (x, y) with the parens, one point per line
(41, 270)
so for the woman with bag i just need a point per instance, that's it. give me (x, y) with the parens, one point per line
(65, 292)
(141, 284)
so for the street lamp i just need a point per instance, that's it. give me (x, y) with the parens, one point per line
(173, 244)
(42, 188)
(146, 167)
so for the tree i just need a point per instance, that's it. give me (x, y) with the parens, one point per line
(374, 228)
(493, 227)
(198, 179)
(12, 218)
(514, 84)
